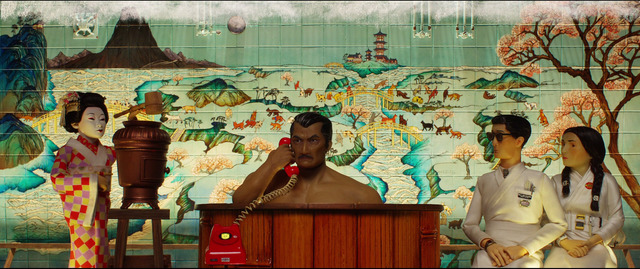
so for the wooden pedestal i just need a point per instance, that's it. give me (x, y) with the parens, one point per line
(123, 216)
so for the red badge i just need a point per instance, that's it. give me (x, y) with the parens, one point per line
(589, 185)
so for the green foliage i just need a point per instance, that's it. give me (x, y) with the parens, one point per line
(185, 203)
(349, 156)
(434, 184)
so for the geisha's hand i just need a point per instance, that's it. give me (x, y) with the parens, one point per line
(104, 178)
(104, 182)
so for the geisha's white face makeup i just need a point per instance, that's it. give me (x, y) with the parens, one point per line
(92, 124)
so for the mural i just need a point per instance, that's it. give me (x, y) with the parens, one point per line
(413, 132)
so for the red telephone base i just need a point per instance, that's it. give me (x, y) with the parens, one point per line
(225, 246)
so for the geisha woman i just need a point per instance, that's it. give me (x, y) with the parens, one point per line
(81, 174)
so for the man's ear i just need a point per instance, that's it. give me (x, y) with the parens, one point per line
(329, 146)
(75, 125)
(520, 141)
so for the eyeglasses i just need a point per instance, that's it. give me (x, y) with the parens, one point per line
(498, 136)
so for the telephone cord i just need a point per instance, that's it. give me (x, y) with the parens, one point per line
(266, 198)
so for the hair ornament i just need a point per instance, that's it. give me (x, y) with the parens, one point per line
(70, 102)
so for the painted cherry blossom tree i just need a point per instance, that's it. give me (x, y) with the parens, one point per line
(547, 145)
(444, 114)
(260, 145)
(210, 165)
(287, 77)
(178, 155)
(223, 190)
(463, 193)
(177, 79)
(444, 240)
(608, 34)
(578, 104)
(465, 153)
(356, 112)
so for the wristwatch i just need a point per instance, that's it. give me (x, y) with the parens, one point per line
(489, 243)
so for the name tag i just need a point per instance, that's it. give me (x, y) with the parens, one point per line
(524, 196)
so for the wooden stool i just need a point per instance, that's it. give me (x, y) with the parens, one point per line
(123, 216)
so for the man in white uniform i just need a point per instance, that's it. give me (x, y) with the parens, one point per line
(513, 200)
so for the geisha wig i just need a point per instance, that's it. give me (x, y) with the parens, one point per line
(594, 145)
(75, 103)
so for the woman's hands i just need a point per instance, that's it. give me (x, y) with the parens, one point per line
(580, 248)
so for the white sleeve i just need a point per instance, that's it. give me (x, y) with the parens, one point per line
(615, 216)
(471, 224)
(557, 224)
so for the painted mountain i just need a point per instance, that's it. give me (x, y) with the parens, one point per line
(24, 85)
(508, 80)
(19, 143)
(132, 45)
(365, 68)
(218, 92)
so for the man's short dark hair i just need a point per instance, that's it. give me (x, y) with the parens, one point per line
(518, 126)
(306, 119)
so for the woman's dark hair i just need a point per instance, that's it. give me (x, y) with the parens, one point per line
(306, 119)
(517, 126)
(594, 145)
(87, 99)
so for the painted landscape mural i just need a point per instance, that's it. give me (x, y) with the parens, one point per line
(411, 88)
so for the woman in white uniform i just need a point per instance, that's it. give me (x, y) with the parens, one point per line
(591, 201)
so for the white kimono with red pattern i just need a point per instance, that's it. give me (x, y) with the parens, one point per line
(512, 208)
(85, 207)
(579, 202)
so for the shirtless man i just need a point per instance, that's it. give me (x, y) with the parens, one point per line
(317, 183)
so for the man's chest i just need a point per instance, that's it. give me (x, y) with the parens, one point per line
(319, 195)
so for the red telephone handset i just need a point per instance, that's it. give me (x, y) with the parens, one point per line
(290, 170)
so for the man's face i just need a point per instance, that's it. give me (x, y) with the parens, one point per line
(92, 123)
(309, 145)
(509, 147)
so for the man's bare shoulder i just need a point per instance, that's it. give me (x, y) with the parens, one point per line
(364, 192)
